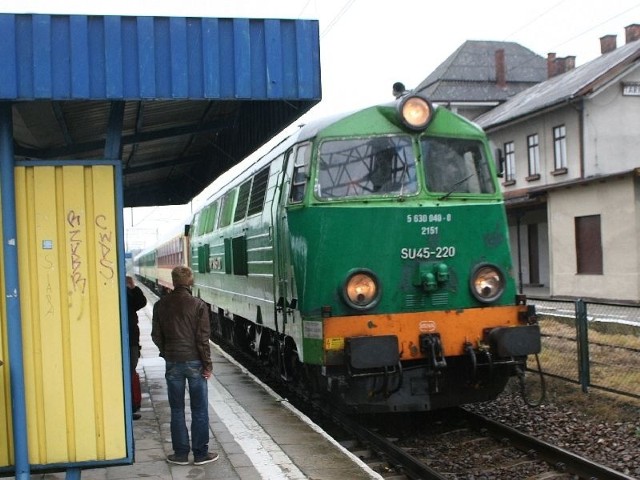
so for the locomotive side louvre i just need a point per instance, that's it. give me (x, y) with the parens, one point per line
(371, 254)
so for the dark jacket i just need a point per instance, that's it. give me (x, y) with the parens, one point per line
(181, 328)
(135, 301)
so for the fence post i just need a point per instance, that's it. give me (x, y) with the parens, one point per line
(582, 337)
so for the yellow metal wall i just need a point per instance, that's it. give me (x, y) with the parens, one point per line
(68, 270)
(6, 435)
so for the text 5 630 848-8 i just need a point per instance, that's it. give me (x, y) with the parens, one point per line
(429, 218)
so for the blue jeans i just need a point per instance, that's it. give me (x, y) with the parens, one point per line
(177, 375)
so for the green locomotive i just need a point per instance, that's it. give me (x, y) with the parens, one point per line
(367, 256)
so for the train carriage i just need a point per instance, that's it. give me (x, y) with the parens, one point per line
(172, 250)
(145, 267)
(367, 256)
(153, 265)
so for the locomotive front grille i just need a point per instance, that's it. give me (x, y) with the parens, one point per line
(419, 300)
(416, 301)
(440, 299)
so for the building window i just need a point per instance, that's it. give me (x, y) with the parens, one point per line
(560, 149)
(588, 245)
(509, 163)
(533, 151)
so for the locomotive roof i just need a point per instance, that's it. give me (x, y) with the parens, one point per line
(177, 100)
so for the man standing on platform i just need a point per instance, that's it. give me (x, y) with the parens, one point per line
(181, 332)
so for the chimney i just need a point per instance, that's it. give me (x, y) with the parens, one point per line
(632, 32)
(607, 44)
(551, 65)
(501, 76)
(569, 63)
(558, 66)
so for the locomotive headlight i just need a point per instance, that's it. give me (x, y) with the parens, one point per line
(361, 290)
(487, 283)
(415, 112)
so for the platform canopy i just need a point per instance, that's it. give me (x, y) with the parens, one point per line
(178, 100)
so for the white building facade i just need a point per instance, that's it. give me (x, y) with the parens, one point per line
(570, 154)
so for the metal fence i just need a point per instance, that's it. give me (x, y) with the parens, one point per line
(594, 344)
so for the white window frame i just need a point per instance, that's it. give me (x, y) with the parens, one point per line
(510, 162)
(560, 147)
(533, 151)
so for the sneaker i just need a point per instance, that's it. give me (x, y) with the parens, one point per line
(137, 416)
(208, 458)
(178, 459)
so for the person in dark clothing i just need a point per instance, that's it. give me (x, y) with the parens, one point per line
(135, 301)
(181, 332)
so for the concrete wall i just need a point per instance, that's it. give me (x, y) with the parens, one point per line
(615, 202)
(611, 126)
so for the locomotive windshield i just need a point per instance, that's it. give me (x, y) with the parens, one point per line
(358, 167)
(454, 165)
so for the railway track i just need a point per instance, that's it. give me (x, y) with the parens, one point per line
(428, 446)
(464, 445)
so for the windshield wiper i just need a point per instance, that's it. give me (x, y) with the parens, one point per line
(453, 187)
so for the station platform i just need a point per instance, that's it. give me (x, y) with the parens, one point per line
(257, 434)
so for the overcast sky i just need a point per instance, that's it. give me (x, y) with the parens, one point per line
(367, 45)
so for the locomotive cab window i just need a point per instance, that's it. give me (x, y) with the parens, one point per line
(300, 173)
(358, 167)
(456, 166)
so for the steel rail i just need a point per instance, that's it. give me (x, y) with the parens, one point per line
(551, 454)
(396, 456)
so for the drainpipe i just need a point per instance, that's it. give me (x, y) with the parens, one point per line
(580, 109)
(518, 218)
(14, 320)
(578, 106)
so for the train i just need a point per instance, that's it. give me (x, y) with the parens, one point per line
(366, 258)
